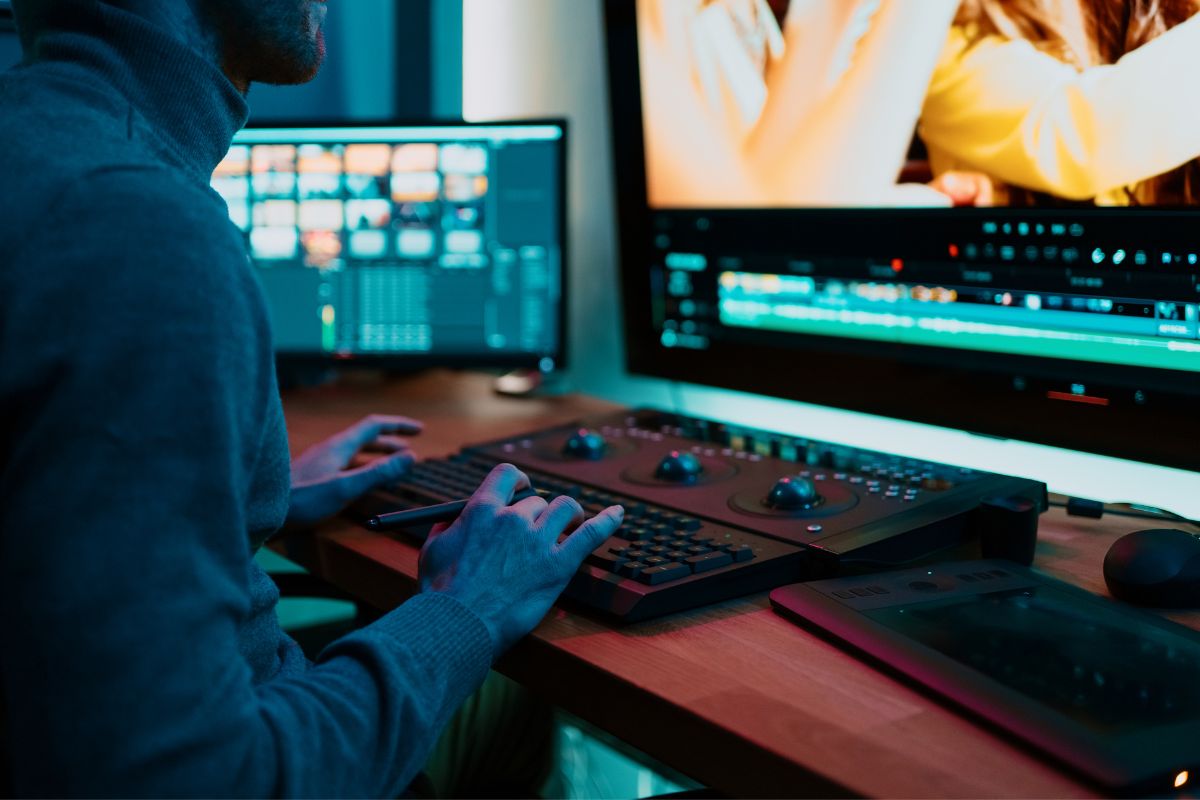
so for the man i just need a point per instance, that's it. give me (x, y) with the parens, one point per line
(143, 454)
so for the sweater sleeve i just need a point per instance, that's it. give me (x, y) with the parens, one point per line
(1025, 117)
(134, 352)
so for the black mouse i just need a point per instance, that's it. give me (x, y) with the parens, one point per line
(1159, 568)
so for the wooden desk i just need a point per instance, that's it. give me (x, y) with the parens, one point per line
(731, 695)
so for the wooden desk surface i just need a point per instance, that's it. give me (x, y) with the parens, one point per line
(731, 695)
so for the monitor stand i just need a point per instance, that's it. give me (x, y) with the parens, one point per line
(530, 382)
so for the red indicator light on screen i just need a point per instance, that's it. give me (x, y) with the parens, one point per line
(954, 251)
(1078, 398)
(897, 264)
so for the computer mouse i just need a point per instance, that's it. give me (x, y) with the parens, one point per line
(1159, 568)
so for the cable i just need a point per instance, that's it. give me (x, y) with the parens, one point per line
(1094, 509)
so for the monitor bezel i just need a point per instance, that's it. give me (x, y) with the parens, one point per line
(293, 359)
(918, 388)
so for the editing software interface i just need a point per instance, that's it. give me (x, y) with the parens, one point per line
(405, 241)
(1017, 287)
(963, 178)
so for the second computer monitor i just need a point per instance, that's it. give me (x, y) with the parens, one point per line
(432, 243)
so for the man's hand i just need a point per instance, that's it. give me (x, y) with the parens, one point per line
(505, 562)
(321, 484)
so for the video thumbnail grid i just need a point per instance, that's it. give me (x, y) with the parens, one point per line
(324, 205)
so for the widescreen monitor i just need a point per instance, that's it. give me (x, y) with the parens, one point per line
(415, 244)
(959, 213)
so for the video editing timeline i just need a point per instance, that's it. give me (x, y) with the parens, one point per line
(716, 511)
(1017, 287)
(404, 240)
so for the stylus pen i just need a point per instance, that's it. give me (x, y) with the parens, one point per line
(427, 515)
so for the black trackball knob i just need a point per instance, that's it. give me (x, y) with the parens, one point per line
(585, 444)
(791, 493)
(679, 467)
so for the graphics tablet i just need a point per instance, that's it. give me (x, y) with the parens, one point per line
(1108, 690)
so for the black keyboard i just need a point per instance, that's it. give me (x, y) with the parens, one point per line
(658, 562)
(716, 511)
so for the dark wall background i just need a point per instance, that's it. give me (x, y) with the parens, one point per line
(386, 59)
(10, 51)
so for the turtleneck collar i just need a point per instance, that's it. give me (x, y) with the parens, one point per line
(188, 103)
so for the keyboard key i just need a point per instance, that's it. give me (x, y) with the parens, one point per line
(679, 544)
(677, 555)
(636, 533)
(697, 549)
(688, 523)
(842, 593)
(655, 561)
(606, 561)
(636, 555)
(620, 550)
(743, 552)
(663, 573)
(657, 549)
(631, 569)
(662, 539)
(707, 561)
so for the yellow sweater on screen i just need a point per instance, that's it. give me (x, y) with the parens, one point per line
(1002, 107)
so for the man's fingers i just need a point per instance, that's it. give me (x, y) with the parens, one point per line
(368, 428)
(561, 515)
(500, 485)
(590, 535)
(353, 483)
(530, 507)
(344, 445)
(385, 443)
